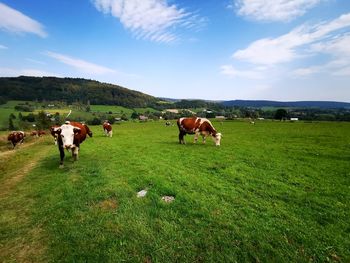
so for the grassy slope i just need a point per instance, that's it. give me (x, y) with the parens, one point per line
(8, 108)
(272, 192)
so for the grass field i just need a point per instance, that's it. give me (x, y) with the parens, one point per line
(273, 192)
(9, 107)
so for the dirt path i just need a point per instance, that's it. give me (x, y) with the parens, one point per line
(16, 176)
(29, 245)
(7, 153)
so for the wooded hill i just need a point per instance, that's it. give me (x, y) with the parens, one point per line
(71, 90)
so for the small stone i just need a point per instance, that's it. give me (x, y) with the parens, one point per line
(142, 193)
(168, 199)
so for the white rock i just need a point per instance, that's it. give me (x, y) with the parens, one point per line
(142, 193)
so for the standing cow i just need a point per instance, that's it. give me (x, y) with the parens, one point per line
(69, 136)
(107, 127)
(16, 137)
(197, 126)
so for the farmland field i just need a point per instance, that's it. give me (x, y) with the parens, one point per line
(273, 192)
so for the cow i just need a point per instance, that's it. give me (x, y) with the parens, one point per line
(38, 133)
(53, 130)
(41, 133)
(107, 127)
(69, 136)
(16, 137)
(197, 126)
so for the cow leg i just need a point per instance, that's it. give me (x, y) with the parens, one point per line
(61, 149)
(110, 134)
(204, 138)
(181, 137)
(75, 153)
(196, 137)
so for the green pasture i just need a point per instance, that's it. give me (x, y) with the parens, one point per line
(112, 108)
(272, 192)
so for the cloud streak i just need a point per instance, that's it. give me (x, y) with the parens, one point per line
(80, 64)
(153, 20)
(285, 48)
(14, 21)
(276, 10)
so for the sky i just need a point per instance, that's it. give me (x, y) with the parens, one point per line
(286, 50)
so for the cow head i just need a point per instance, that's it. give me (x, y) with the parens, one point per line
(67, 132)
(217, 138)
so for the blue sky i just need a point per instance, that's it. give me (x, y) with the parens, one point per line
(214, 49)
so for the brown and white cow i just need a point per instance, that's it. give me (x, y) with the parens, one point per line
(38, 133)
(69, 136)
(16, 137)
(41, 133)
(197, 126)
(107, 127)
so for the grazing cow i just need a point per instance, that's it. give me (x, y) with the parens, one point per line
(69, 136)
(197, 126)
(16, 137)
(107, 127)
(38, 133)
(53, 130)
(41, 133)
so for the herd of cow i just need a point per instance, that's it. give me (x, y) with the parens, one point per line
(71, 134)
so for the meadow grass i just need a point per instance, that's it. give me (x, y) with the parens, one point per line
(273, 192)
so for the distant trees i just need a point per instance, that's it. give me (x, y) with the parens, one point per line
(71, 90)
(281, 114)
(11, 125)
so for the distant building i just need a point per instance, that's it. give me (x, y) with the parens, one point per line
(219, 117)
(294, 119)
(260, 119)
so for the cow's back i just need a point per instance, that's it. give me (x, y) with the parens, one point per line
(188, 125)
(79, 137)
(87, 129)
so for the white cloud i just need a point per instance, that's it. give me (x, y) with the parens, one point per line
(153, 20)
(3, 47)
(231, 72)
(11, 72)
(338, 49)
(14, 21)
(273, 10)
(80, 64)
(270, 51)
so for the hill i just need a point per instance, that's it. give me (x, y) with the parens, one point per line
(294, 104)
(71, 90)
